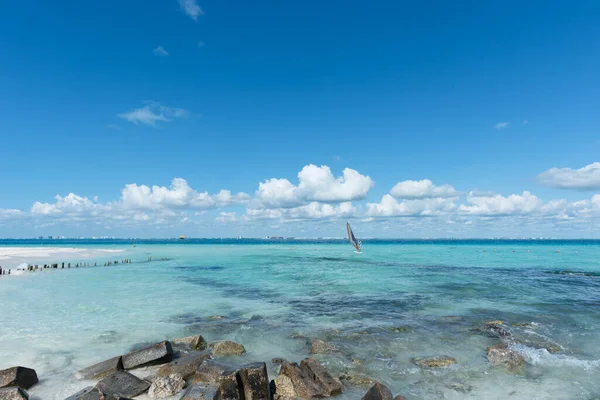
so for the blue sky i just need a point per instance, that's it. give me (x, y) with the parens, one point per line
(481, 97)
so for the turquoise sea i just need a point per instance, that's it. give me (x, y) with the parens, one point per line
(395, 301)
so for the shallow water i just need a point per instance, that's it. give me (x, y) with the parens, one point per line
(394, 302)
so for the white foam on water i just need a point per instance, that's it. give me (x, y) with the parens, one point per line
(543, 357)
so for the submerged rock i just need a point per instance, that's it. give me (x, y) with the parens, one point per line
(18, 376)
(227, 348)
(13, 393)
(102, 369)
(500, 354)
(185, 366)
(434, 362)
(123, 384)
(356, 379)
(321, 347)
(158, 353)
(210, 371)
(195, 342)
(378, 392)
(166, 386)
(278, 361)
(494, 329)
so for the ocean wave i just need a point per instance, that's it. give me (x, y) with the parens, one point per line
(543, 357)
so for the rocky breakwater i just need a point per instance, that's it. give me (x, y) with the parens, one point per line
(15, 381)
(191, 369)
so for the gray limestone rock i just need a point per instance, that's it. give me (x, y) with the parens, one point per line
(102, 369)
(158, 353)
(13, 393)
(123, 384)
(185, 366)
(166, 386)
(378, 392)
(227, 348)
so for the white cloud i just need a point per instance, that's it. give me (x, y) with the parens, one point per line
(191, 8)
(10, 213)
(315, 184)
(277, 193)
(319, 184)
(71, 204)
(498, 205)
(311, 211)
(501, 125)
(152, 113)
(160, 51)
(390, 207)
(227, 217)
(586, 178)
(178, 195)
(422, 189)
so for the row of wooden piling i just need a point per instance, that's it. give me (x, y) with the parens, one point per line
(4, 271)
(63, 265)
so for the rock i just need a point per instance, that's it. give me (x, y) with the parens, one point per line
(102, 369)
(230, 386)
(18, 376)
(216, 317)
(378, 392)
(321, 376)
(356, 379)
(500, 354)
(255, 381)
(295, 383)
(195, 342)
(524, 324)
(13, 393)
(123, 384)
(185, 366)
(400, 329)
(227, 348)
(159, 353)
(278, 361)
(91, 393)
(210, 371)
(200, 392)
(321, 347)
(494, 329)
(166, 386)
(307, 380)
(399, 397)
(283, 387)
(434, 362)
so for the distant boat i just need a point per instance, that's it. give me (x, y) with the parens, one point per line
(181, 237)
(355, 243)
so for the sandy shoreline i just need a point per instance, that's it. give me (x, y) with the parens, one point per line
(12, 257)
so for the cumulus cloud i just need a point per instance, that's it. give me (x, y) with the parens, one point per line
(191, 8)
(316, 184)
(586, 178)
(178, 195)
(311, 211)
(427, 207)
(501, 125)
(10, 213)
(498, 205)
(152, 113)
(422, 189)
(160, 51)
(227, 217)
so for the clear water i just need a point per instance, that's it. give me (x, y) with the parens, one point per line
(272, 295)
